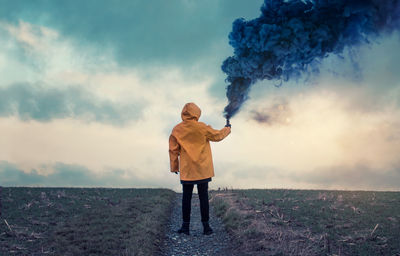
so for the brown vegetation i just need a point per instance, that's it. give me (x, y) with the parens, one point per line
(290, 222)
(83, 221)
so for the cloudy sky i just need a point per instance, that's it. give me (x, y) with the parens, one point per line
(90, 91)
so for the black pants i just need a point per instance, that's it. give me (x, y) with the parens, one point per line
(202, 190)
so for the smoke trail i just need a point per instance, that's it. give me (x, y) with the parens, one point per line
(278, 113)
(291, 36)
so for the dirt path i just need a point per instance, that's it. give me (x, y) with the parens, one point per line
(219, 243)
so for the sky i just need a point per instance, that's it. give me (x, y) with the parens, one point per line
(90, 91)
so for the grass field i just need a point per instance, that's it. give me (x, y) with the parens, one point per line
(83, 221)
(310, 222)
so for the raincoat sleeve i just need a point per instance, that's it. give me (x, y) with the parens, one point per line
(217, 135)
(174, 150)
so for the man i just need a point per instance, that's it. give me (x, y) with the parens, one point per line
(190, 155)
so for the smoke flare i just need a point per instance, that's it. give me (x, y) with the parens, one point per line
(290, 38)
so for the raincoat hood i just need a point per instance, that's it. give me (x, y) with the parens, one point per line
(190, 112)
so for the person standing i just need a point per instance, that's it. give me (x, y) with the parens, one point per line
(190, 155)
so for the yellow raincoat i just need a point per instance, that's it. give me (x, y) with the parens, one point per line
(189, 145)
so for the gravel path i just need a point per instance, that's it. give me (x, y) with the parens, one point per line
(219, 243)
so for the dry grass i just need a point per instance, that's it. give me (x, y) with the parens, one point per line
(83, 221)
(300, 222)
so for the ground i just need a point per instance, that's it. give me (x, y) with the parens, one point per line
(83, 221)
(100, 221)
(311, 222)
(219, 243)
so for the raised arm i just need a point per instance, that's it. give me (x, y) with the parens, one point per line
(217, 135)
(174, 151)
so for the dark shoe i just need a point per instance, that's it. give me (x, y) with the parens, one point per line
(185, 228)
(207, 230)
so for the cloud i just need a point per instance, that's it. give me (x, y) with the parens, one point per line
(99, 106)
(102, 145)
(30, 52)
(31, 101)
(83, 111)
(379, 85)
(63, 82)
(324, 135)
(176, 31)
(277, 113)
(69, 175)
(11, 175)
(357, 176)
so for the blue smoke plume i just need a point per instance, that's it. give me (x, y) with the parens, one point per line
(291, 37)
